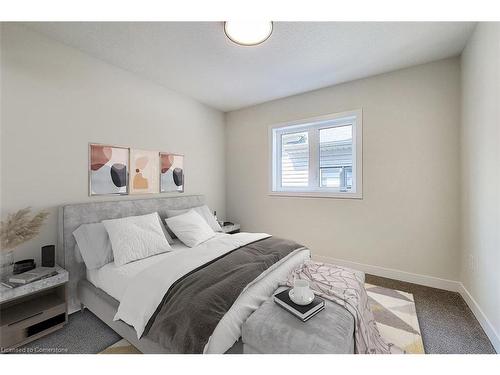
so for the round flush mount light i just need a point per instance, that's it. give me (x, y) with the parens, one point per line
(248, 33)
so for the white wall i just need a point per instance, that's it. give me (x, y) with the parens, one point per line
(55, 100)
(480, 142)
(408, 218)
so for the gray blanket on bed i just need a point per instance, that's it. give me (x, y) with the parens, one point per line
(194, 304)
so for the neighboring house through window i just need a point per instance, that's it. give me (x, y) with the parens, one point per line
(321, 156)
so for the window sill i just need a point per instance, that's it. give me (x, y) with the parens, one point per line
(305, 194)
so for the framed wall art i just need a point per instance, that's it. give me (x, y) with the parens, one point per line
(108, 169)
(171, 173)
(144, 174)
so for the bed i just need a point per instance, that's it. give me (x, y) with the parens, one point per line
(114, 293)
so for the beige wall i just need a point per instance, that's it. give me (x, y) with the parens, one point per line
(480, 142)
(56, 99)
(408, 217)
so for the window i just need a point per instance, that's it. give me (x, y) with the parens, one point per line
(318, 157)
(295, 160)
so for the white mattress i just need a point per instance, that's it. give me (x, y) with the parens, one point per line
(127, 283)
(114, 279)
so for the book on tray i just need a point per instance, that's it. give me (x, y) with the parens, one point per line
(31, 276)
(303, 312)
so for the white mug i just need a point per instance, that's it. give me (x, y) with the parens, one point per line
(301, 291)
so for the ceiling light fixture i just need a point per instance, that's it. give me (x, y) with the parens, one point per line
(248, 33)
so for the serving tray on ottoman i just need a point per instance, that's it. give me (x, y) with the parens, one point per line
(273, 330)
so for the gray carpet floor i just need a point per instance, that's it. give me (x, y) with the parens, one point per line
(446, 323)
(84, 333)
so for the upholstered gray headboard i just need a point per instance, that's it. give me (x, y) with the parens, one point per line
(73, 215)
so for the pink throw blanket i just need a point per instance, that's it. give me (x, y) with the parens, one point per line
(340, 285)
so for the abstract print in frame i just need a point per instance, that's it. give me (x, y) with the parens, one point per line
(108, 169)
(171, 173)
(143, 172)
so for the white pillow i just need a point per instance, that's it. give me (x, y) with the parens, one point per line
(203, 211)
(93, 242)
(136, 237)
(190, 227)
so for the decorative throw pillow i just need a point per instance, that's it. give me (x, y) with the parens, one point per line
(94, 245)
(203, 211)
(136, 237)
(190, 227)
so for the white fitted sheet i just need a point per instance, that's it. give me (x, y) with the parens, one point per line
(114, 279)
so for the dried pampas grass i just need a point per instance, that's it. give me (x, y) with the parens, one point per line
(19, 227)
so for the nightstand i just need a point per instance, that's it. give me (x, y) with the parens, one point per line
(231, 229)
(31, 311)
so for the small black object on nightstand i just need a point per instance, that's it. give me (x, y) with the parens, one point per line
(23, 266)
(48, 256)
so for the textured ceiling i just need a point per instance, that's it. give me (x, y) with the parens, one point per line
(196, 59)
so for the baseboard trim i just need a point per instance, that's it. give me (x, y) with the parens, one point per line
(415, 278)
(431, 281)
(481, 317)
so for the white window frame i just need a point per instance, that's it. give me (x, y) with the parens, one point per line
(354, 117)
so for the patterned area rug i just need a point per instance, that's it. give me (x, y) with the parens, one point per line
(396, 317)
(121, 347)
(394, 313)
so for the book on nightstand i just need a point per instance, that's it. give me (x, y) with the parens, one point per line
(33, 275)
(6, 283)
(303, 312)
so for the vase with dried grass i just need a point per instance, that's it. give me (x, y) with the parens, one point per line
(18, 228)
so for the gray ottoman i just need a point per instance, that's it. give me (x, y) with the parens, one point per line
(272, 330)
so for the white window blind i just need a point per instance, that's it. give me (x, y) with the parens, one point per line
(318, 157)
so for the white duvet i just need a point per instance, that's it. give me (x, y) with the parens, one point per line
(114, 280)
(145, 291)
